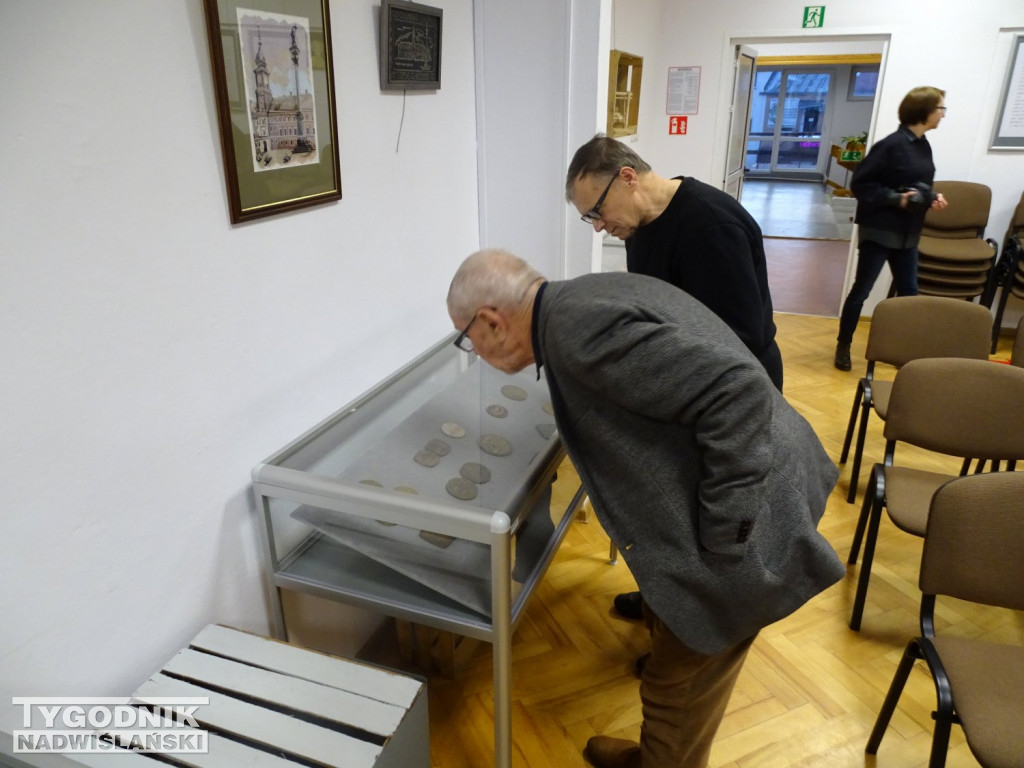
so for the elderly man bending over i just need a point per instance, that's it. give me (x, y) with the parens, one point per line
(708, 482)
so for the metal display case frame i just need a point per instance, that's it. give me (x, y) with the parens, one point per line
(307, 472)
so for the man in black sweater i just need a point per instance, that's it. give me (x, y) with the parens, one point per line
(687, 233)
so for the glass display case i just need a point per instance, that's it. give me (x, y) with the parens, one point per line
(428, 499)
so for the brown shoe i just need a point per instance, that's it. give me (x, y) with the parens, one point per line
(606, 752)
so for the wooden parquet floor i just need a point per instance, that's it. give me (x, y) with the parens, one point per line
(810, 689)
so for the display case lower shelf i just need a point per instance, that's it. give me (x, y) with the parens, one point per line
(327, 569)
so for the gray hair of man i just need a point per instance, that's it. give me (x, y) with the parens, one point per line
(490, 278)
(601, 156)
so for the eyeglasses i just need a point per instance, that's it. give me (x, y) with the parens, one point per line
(943, 109)
(462, 341)
(595, 213)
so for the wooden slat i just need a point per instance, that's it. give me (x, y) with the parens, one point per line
(257, 724)
(381, 685)
(284, 690)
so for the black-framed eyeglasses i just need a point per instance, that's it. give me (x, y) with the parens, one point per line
(462, 341)
(595, 213)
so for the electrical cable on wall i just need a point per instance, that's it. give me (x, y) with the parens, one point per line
(401, 122)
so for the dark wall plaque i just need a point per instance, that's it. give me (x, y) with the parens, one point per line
(410, 46)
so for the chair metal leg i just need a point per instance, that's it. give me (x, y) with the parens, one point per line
(858, 533)
(853, 421)
(858, 452)
(878, 501)
(899, 681)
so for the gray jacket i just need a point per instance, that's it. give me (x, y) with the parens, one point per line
(706, 479)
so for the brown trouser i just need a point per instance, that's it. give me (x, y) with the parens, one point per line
(684, 695)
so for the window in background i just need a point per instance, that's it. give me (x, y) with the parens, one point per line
(863, 82)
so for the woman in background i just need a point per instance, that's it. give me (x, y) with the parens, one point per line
(893, 187)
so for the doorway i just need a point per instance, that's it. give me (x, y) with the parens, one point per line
(806, 96)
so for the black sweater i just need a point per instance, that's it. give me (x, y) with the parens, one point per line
(706, 243)
(898, 160)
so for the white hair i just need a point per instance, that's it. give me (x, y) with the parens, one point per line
(490, 278)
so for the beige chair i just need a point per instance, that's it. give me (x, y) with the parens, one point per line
(954, 259)
(906, 328)
(965, 408)
(973, 550)
(1010, 270)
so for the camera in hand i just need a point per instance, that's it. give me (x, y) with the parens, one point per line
(922, 198)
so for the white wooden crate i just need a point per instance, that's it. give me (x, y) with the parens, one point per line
(273, 705)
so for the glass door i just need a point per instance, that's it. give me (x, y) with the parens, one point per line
(788, 117)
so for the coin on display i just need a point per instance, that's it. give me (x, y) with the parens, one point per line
(548, 408)
(406, 489)
(437, 539)
(496, 445)
(461, 489)
(452, 429)
(440, 447)
(374, 483)
(497, 411)
(512, 392)
(475, 473)
(426, 458)
(546, 430)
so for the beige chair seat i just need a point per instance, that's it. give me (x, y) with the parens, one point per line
(988, 680)
(908, 493)
(957, 251)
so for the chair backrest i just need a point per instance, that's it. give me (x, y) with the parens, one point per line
(966, 408)
(1016, 221)
(966, 215)
(905, 328)
(1017, 355)
(974, 543)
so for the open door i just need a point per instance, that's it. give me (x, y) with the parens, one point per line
(739, 116)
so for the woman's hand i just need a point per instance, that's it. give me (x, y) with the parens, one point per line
(939, 202)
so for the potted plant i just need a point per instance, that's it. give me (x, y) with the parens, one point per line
(857, 141)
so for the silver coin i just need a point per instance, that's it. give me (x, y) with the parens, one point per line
(440, 447)
(426, 458)
(461, 489)
(496, 445)
(497, 411)
(374, 483)
(546, 430)
(452, 429)
(437, 539)
(475, 473)
(548, 408)
(512, 392)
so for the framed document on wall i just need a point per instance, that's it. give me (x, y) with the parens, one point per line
(410, 46)
(1009, 129)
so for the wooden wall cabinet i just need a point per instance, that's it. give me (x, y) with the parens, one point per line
(624, 73)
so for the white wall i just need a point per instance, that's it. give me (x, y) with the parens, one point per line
(152, 353)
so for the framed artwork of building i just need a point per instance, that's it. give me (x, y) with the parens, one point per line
(273, 79)
(410, 46)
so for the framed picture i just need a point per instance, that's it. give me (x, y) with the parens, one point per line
(410, 46)
(274, 82)
(1009, 128)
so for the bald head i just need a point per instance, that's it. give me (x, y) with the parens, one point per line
(490, 278)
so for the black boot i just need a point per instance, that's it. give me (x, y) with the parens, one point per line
(843, 356)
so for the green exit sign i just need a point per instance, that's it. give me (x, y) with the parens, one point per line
(851, 155)
(814, 16)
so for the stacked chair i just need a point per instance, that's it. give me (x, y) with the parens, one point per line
(954, 259)
(1017, 355)
(973, 550)
(906, 328)
(1012, 261)
(964, 408)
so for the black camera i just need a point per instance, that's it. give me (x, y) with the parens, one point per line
(922, 198)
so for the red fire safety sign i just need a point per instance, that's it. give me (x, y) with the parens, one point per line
(677, 125)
